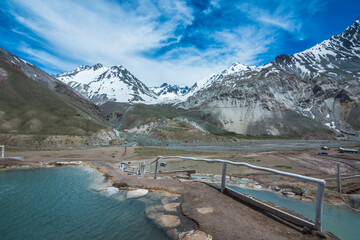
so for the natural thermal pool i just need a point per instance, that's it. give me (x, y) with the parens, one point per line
(70, 203)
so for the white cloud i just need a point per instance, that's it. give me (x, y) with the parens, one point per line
(283, 17)
(101, 31)
(75, 33)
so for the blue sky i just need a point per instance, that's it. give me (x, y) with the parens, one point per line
(178, 42)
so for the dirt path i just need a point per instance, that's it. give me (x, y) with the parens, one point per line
(230, 219)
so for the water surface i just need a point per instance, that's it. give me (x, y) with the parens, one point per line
(340, 220)
(69, 203)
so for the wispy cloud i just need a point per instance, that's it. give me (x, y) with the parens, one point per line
(158, 41)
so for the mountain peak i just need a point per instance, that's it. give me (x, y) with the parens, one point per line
(100, 84)
(97, 66)
(236, 67)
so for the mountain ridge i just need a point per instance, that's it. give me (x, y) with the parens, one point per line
(321, 83)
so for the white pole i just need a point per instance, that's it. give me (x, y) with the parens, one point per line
(319, 206)
(2, 151)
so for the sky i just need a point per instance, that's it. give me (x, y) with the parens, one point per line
(172, 41)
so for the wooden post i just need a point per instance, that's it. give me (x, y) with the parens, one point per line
(2, 151)
(319, 206)
(338, 178)
(156, 168)
(230, 177)
(223, 177)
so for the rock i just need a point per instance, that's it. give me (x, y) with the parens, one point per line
(289, 194)
(306, 230)
(155, 211)
(274, 188)
(137, 193)
(171, 207)
(252, 185)
(354, 201)
(173, 233)
(167, 200)
(197, 235)
(167, 221)
(205, 210)
(111, 191)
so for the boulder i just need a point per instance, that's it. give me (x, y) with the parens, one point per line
(137, 193)
(354, 201)
(197, 235)
(167, 221)
(171, 207)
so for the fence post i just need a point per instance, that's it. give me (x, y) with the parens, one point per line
(223, 177)
(319, 205)
(156, 168)
(2, 151)
(142, 170)
(338, 178)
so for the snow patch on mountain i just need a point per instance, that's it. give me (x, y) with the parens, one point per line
(101, 84)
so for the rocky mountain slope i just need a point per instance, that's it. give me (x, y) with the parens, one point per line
(167, 92)
(101, 84)
(310, 92)
(36, 109)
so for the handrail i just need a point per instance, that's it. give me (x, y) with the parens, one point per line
(321, 183)
(342, 177)
(310, 179)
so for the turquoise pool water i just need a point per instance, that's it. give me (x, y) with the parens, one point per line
(69, 203)
(340, 220)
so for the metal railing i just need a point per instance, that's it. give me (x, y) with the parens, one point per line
(338, 178)
(319, 196)
(3, 154)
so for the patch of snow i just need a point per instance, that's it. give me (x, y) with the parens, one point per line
(332, 126)
(309, 111)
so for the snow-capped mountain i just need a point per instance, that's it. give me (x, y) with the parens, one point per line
(294, 94)
(101, 84)
(170, 92)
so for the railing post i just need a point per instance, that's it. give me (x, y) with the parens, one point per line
(319, 205)
(223, 177)
(338, 178)
(2, 151)
(142, 170)
(156, 168)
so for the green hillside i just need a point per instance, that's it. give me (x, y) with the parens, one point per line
(27, 107)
